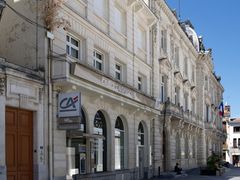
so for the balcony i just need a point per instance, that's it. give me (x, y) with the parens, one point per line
(235, 150)
(178, 113)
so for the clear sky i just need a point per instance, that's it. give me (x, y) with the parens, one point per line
(218, 21)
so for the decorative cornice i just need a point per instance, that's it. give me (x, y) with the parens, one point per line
(174, 21)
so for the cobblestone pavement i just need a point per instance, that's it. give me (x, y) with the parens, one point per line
(230, 174)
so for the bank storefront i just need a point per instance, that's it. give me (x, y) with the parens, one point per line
(110, 135)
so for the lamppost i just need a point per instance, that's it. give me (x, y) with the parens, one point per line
(2, 6)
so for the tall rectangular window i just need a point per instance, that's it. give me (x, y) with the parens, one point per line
(72, 47)
(162, 90)
(98, 59)
(140, 88)
(176, 95)
(234, 142)
(119, 19)
(164, 40)
(206, 83)
(177, 57)
(238, 142)
(100, 7)
(141, 39)
(172, 48)
(207, 113)
(185, 67)
(193, 74)
(118, 71)
(193, 106)
(185, 101)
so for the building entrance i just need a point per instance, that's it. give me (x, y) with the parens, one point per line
(19, 144)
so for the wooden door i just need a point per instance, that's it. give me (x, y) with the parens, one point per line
(19, 144)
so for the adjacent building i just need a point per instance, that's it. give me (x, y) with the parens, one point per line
(231, 147)
(104, 89)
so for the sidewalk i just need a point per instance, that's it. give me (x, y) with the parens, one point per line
(194, 174)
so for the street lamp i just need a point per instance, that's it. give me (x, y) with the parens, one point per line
(2, 6)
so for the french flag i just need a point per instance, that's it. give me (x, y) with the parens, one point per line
(221, 109)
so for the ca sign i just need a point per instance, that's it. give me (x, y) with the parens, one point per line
(69, 104)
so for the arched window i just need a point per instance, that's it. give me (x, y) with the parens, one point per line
(100, 146)
(140, 134)
(79, 144)
(119, 144)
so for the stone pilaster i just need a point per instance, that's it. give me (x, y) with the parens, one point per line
(2, 127)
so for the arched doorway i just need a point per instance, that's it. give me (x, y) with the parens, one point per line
(119, 144)
(76, 144)
(100, 144)
(141, 143)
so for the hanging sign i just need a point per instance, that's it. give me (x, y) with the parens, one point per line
(69, 104)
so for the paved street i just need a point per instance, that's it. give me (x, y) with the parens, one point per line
(230, 174)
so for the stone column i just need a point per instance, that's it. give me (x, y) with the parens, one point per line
(167, 131)
(201, 148)
(157, 145)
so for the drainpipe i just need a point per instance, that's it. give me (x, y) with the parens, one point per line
(167, 102)
(49, 83)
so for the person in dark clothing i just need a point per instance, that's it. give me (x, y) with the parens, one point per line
(177, 169)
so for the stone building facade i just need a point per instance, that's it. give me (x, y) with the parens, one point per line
(149, 98)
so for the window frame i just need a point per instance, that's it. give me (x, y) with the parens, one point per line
(120, 134)
(235, 129)
(70, 46)
(162, 89)
(119, 71)
(177, 57)
(97, 60)
(164, 40)
(140, 83)
(97, 9)
(141, 38)
(122, 21)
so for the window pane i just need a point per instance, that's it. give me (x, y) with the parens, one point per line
(118, 67)
(74, 42)
(118, 76)
(98, 65)
(99, 56)
(74, 53)
(99, 7)
(67, 49)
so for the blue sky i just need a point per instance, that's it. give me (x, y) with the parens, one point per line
(218, 21)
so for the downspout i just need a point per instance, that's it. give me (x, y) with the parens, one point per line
(166, 103)
(50, 134)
